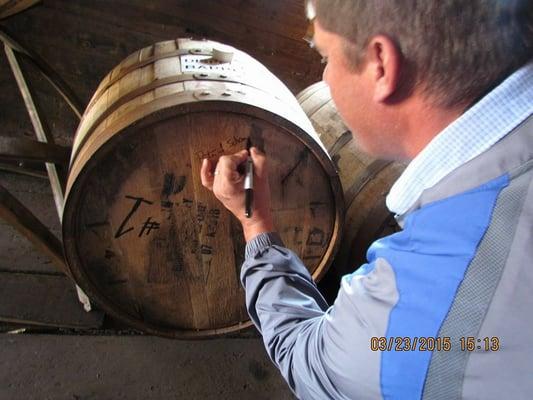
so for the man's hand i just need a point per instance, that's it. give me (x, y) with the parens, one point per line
(227, 183)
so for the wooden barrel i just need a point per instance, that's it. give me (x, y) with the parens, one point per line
(142, 237)
(365, 181)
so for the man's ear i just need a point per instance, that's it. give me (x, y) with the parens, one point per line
(384, 60)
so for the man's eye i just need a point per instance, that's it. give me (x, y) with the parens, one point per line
(324, 60)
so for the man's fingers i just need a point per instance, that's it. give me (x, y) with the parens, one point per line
(206, 174)
(227, 165)
(239, 158)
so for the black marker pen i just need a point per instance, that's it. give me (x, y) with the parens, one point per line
(248, 182)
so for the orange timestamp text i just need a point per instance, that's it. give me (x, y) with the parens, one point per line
(445, 343)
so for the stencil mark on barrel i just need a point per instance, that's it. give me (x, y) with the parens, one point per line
(297, 234)
(212, 222)
(165, 257)
(187, 203)
(201, 210)
(134, 208)
(315, 206)
(166, 207)
(316, 237)
(206, 253)
(166, 204)
(172, 185)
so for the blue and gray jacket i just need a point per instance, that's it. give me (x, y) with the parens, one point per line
(442, 310)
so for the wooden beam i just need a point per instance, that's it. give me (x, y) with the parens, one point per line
(31, 150)
(23, 169)
(23, 220)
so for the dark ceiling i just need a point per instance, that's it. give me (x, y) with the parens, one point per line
(82, 40)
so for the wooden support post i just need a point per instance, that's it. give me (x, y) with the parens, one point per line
(57, 182)
(42, 135)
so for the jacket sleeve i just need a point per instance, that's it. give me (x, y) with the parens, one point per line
(322, 352)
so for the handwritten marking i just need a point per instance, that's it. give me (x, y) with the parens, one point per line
(136, 205)
(211, 153)
(235, 140)
(301, 157)
(148, 226)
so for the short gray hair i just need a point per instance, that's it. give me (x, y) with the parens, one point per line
(456, 50)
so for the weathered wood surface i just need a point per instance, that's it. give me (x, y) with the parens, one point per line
(43, 300)
(10, 7)
(142, 236)
(365, 180)
(30, 150)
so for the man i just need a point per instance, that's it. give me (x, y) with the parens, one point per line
(442, 309)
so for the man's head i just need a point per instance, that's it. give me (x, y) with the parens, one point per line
(456, 49)
(448, 52)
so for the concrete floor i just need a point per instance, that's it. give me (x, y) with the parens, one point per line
(64, 367)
